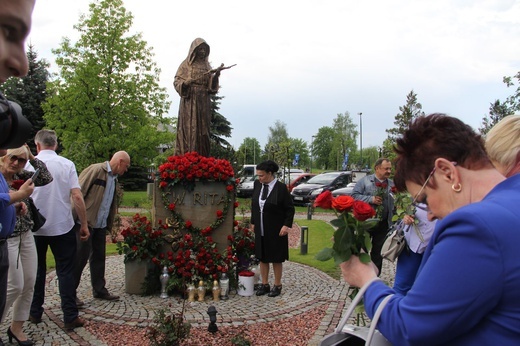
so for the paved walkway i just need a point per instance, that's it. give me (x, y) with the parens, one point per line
(305, 288)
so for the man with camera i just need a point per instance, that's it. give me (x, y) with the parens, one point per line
(15, 24)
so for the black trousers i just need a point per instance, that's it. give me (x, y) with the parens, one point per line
(63, 248)
(93, 251)
(378, 236)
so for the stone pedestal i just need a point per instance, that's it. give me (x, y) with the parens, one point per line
(135, 275)
(199, 206)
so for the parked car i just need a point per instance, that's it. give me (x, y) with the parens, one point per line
(306, 193)
(299, 178)
(245, 187)
(344, 191)
(247, 171)
(285, 174)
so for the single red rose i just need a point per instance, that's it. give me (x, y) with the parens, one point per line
(342, 203)
(324, 200)
(171, 206)
(163, 184)
(363, 211)
(16, 184)
(188, 224)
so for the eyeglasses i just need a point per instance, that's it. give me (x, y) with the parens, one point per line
(20, 160)
(414, 202)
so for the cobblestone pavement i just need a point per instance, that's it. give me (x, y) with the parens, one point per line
(304, 289)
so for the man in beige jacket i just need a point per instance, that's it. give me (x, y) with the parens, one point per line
(99, 187)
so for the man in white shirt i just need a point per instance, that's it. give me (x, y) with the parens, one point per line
(59, 231)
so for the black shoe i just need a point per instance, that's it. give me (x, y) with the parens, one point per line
(106, 296)
(20, 342)
(34, 319)
(263, 290)
(78, 322)
(275, 291)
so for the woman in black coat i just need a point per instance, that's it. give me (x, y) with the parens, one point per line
(272, 214)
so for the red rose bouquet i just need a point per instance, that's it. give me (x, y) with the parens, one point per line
(351, 236)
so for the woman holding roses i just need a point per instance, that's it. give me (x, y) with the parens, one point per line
(21, 248)
(467, 289)
(272, 214)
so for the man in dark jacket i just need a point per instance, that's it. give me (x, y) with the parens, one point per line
(99, 187)
(376, 189)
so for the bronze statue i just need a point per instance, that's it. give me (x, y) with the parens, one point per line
(195, 81)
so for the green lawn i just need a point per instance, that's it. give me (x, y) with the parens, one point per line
(51, 264)
(136, 199)
(320, 234)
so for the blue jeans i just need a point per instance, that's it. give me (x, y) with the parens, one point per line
(63, 248)
(408, 263)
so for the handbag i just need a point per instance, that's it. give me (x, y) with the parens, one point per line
(37, 217)
(351, 335)
(394, 243)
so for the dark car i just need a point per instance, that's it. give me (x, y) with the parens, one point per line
(298, 179)
(306, 193)
(344, 191)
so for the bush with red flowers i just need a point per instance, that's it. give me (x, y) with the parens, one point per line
(243, 241)
(351, 236)
(140, 241)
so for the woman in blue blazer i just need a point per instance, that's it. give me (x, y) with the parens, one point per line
(467, 289)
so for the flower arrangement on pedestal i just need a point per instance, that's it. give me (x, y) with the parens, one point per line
(194, 254)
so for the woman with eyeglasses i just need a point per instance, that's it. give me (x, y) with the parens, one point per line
(21, 248)
(467, 289)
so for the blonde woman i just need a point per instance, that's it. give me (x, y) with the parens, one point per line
(21, 248)
(503, 145)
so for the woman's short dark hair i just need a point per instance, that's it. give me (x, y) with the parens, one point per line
(268, 166)
(436, 136)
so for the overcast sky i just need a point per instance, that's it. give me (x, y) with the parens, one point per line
(303, 62)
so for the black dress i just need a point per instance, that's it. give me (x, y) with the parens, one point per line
(278, 211)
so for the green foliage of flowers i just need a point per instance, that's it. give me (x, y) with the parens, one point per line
(140, 241)
(240, 340)
(169, 329)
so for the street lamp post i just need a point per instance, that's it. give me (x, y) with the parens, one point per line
(312, 147)
(361, 139)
